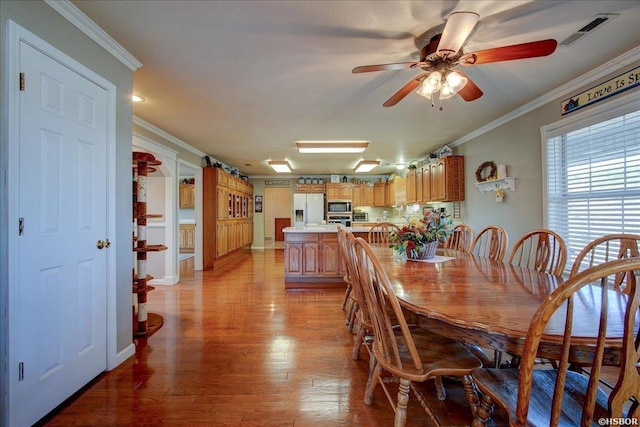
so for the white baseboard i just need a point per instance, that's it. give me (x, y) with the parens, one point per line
(129, 351)
(165, 281)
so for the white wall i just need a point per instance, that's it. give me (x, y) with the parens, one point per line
(516, 144)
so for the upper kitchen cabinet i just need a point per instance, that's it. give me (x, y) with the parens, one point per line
(341, 191)
(187, 196)
(362, 195)
(379, 194)
(445, 180)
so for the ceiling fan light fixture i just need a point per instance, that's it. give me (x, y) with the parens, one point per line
(324, 147)
(446, 92)
(433, 82)
(456, 81)
(280, 166)
(366, 166)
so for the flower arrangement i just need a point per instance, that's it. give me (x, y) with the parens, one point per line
(420, 237)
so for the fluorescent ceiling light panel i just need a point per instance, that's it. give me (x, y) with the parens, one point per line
(315, 147)
(366, 165)
(281, 166)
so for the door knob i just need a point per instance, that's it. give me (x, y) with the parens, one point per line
(103, 244)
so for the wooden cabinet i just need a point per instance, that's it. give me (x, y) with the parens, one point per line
(367, 195)
(309, 188)
(341, 191)
(356, 195)
(414, 186)
(411, 186)
(312, 257)
(222, 239)
(362, 195)
(379, 194)
(186, 238)
(187, 196)
(418, 184)
(227, 226)
(447, 179)
(332, 264)
(426, 183)
(396, 192)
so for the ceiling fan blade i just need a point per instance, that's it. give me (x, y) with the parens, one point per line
(508, 53)
(456, 30)
(383, 67)
(470, 92)
(405, 90)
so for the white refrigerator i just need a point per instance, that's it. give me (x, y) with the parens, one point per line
(307, 209)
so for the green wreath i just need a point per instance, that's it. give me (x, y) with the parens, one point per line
(492, 172)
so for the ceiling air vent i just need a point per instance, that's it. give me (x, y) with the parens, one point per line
(600, 19)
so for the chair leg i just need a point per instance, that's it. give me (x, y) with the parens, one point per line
(353, 317)
(483, 412)
(497, 359)
(471, 393)
(403, 400)
(371, 386)
(441, 392)
(357, 342)
(347, 293)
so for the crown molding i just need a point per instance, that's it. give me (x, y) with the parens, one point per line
(156, 130)
(91, 29)
(575, 84)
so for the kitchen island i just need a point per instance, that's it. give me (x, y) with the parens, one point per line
(312, 258)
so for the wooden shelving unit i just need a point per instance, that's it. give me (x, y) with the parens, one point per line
(144, 323)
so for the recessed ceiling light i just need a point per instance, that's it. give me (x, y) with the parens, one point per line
(315, 147)
(366, 165)
(137, 98)
(280, 166)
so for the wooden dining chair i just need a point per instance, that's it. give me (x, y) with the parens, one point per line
(359, 323)
(461, 238)
(552, 397)
(380, 232)
(410, 355)
(540, 250)
(607, 248)
(491, 243)
(347, 302)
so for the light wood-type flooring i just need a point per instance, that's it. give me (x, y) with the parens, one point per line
(236, 349)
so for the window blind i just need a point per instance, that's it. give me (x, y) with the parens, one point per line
(593, 181)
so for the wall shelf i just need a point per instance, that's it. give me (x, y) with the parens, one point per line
(497, 184)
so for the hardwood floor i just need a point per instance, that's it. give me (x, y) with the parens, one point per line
(236, 349)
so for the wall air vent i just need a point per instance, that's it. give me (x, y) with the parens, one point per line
(600, 19)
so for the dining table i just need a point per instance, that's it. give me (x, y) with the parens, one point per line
(490, 303)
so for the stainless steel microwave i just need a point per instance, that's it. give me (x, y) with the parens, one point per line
(339, 207)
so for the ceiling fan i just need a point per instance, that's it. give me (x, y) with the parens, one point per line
(443, 54)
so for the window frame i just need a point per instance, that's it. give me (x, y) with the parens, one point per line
(598, 113)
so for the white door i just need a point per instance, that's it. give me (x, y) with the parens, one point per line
(61, 333)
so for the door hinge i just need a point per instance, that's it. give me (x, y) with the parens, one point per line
(21, 226)
(21, 371)
(21, 82)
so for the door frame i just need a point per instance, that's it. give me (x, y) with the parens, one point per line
(198, 264)
(169, 169)
(8, 301)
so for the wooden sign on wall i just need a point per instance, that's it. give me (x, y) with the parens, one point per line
(611, 87)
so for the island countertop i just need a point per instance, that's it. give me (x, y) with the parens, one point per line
(323, 229)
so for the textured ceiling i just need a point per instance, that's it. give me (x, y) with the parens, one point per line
(243, 80)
